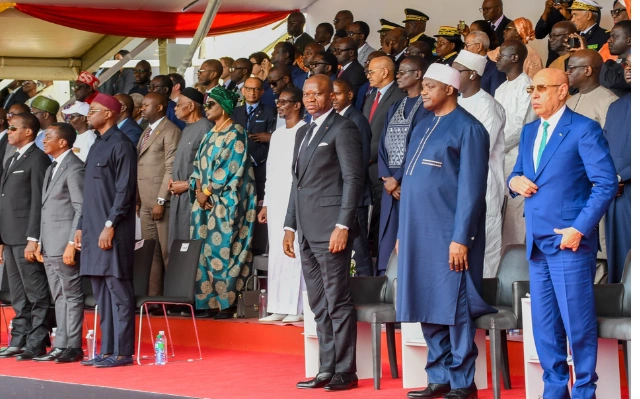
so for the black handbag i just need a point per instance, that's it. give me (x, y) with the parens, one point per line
(248, 301)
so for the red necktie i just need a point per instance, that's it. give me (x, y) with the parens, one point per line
(145, 137)
(340, 73)
(374, 106)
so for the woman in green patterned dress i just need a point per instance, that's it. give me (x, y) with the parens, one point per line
(222, 190)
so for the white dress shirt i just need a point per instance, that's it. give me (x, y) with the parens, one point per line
(495, 24)
(344, 110)
(58, 162)
(3, 133)
(553, 122)
(587, 30)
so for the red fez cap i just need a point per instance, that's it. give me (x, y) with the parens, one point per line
(108, 101)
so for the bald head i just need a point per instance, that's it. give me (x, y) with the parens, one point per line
(419, 49)
(382, 71)
(583, 70)
(154, 106)
(318, 95)
(127, 106)
(511, 57)
(551, 88)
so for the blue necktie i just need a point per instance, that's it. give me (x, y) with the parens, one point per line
(543, 143)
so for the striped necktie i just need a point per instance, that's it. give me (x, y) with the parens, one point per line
(543, 142)
(145, 137)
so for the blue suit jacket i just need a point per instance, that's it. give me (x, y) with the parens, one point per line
(492, 78)
(576, 182)
(132, 130)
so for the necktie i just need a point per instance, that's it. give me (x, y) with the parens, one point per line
(493, 27)
(10, 160)
(543, 142)
(374, 106)
(53, 168)
(304, 145)
(340, 73)
(145, 137)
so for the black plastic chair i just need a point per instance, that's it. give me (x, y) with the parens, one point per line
(613, 308)
(504, 292)
(179, 287)
(260, 250)
(142, 260)
(374, 299)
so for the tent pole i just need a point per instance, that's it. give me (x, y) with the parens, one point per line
(201, 33)
(162, 56)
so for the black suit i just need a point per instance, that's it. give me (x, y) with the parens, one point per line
(596, 37)
(18, 96)
(543, 29)
(362, 256)
(354, 74)
(391, 96)
(3, 147)
(491, 79)
(501, 28)
(325, 192)
(20, 209)
(302, 42)
(262, 119)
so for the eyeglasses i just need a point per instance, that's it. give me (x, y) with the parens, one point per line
(511, 27)
(617, 11)
(486, 9)
(370, 71)
(141, 71)
(404, 72)
(414, 53)
(335, 21)
(252, 89)
(279, 101)
(316, 63)
(274, 83)
(572, 67)
(309, 95)
(28, 82)
(80, 87)
(500, 56)
(467, 45)
(204, 70)
(208, 105)
(154, 87)
(93, 111)
(12, 128)
(340, 50)
(37, 112)
(465, 70)
(539, 88)
(236, 68)
(352, 33)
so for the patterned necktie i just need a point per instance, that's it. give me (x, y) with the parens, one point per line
(53, 168)
(304, 145)
(543, 142)
(340, 73)
(145, 137)
(374, 106)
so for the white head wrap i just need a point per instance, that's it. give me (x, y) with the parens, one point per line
(472, 61)
(444, 74)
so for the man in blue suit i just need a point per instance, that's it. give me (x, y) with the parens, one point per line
(567, 177)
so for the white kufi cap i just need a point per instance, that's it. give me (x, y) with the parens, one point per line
(444, 74)
(472, 61)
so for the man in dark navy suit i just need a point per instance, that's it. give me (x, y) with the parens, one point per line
(258, 121)
(126, 124)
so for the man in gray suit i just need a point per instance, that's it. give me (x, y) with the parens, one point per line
(325, 194)
(381, 75)
(61, 210)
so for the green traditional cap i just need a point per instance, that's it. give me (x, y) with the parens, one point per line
(46, 104)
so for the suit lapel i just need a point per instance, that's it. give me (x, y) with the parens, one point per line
(559, 133)
(317, 139)
(18, 162)
(385, 97)
(154, 133)
(254, 117)
(61, 169)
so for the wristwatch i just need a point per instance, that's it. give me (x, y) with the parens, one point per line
(108, 223)
(161, 201)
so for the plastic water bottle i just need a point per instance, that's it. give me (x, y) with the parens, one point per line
(161, 349)
(52, 337)
(514, 332)
(90, 340)
(262, 303)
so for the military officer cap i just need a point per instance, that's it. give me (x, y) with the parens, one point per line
(388, 25)
(448, 32)
(585, 5)
(414, 15)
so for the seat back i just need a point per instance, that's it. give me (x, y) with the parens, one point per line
(260, 241)
(392, 274)
(626, 283)
(142, 260)
(513, 267)
(87, 288)
(5, 295)
(180, 277)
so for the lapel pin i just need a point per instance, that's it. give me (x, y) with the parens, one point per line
(560, 134)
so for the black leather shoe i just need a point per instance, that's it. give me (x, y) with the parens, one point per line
(96, 359)
(70, 355)
(203, 314)
(52, 355)
(30, 354)
(342, 382)
(11, 352)
(319, 381)
(463, 393)
(431, 391)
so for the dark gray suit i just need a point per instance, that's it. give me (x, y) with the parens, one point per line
(61, 210)
(20, 205)
(326, 190)
(390, 97)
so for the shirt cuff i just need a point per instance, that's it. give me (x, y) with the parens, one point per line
(342, 227)
(511, 188)
(72, 243)
(162, 199)
(289, 229)
(32, 239)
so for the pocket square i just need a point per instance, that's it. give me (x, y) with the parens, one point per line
(322, 144)
(19, 171)
(260, 121)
